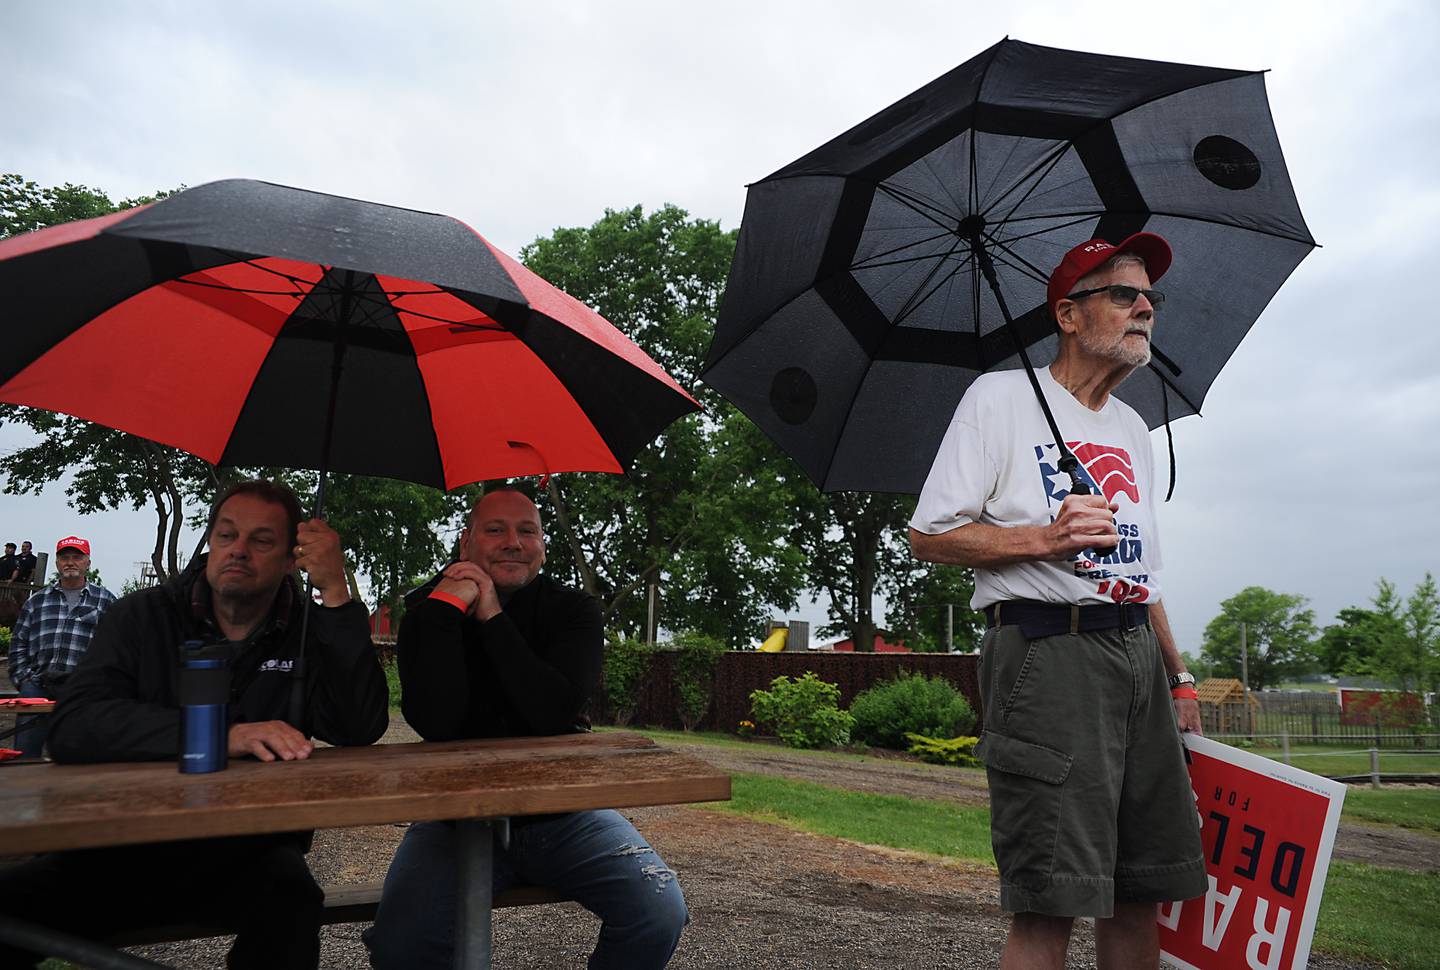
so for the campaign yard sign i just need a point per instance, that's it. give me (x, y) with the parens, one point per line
(1268, 830)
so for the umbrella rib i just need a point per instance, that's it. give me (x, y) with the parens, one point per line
(1014, 147)
(1172, 385)
(916, 205)
(1041, 232)
(1035, 177)
(940, 181)
(869, 261)
(974, 173)
(285, 276)
(238, 289)
(902, 262)
(912, 303)
(1232, 225)
(979, 344)
(1027, 267)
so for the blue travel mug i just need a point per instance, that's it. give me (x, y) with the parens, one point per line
(204, 697)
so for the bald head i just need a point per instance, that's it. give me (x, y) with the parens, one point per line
(504, 538)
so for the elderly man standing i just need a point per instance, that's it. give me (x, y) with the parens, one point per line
(490, 648)
(122, 704)
(53, 632)
(1084, 691)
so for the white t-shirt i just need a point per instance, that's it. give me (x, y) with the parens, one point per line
(998, 465)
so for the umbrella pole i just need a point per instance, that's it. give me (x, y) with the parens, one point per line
(297, 673)
(1068, 463)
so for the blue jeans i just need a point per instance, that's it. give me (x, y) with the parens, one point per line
(34, 728)
(597, 858)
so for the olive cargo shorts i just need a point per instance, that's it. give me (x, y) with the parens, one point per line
(1090, 802)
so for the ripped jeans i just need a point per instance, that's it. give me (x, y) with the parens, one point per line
(597, 858)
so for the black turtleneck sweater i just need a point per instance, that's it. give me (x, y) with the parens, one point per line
(529, 670)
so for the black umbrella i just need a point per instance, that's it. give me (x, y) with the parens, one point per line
(875, 276)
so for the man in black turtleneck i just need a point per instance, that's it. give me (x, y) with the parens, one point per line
(490, 648)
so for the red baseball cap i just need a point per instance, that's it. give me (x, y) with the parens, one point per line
(73, 542)
(1085, 258)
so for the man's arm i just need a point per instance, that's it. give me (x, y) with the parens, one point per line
(549, 692)
(347, 698)
(20, 658)
(1187, 712)
(112, 708)
(1084, 522)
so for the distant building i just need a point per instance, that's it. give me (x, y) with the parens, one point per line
(882, 645)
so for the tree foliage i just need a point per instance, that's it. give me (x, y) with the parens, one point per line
(1403, 642)
(918, 595)
(395, 532)
(1279, 631)
(706, 510)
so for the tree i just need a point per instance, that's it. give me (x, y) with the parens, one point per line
(1408, 654)
(1350, 645)
(923, 598)
(705, 511)
(111, 469)
(1278, 634)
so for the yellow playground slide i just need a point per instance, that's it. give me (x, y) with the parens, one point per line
(776, 641)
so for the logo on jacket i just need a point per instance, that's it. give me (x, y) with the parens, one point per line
(1106, 469)
(282, 666)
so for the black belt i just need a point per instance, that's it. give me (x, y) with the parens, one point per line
(1048, 619)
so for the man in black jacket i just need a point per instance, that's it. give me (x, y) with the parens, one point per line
(490, 648)
(121, 704)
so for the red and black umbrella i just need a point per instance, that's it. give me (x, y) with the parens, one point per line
(255, 324)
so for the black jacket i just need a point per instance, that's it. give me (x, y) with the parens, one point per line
(121, 702)
(530, 670)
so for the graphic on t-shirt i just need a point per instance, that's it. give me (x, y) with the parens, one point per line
(1106, 469)
(1109, 472)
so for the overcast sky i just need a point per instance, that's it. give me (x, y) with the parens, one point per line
(1314, 467)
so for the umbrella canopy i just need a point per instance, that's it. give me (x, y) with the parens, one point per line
(857, 312)
(255, 324)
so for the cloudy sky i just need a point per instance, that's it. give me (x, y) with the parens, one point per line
(1314, 467)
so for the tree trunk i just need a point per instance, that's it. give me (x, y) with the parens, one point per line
(577, 552)
(162, 519)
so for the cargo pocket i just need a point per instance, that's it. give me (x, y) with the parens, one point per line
(1026, 791)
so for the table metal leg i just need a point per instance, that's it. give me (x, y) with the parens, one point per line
(472, 918)
(86, 953)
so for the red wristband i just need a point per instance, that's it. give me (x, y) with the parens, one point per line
(450, 598)
(1186, 693)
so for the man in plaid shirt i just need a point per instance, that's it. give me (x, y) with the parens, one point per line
(53, 632)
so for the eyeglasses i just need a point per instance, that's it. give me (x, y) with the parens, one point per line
(1122, 295)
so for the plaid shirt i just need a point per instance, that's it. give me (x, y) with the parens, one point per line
(49, 637)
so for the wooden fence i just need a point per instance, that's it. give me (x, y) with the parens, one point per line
(740, 672)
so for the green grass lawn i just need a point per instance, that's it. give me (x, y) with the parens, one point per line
(1413, 808)
(1386, 915)
(935, 827)
(1333, 761)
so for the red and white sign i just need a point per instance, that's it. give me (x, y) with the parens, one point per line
(1268, 831)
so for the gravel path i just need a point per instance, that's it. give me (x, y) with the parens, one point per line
(764, 897)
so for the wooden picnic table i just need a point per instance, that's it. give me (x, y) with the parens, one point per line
(46, 807)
